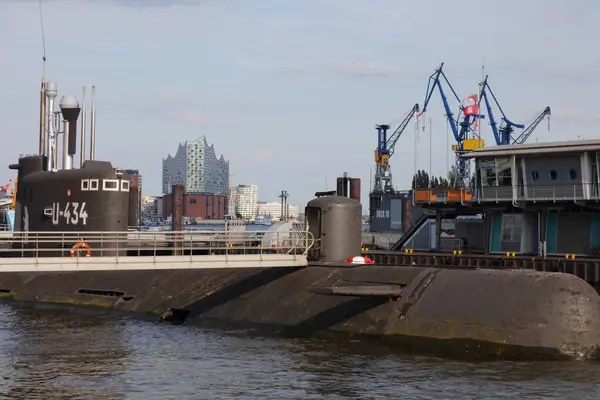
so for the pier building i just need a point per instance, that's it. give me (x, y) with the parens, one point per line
(539, 199)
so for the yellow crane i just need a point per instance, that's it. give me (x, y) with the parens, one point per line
(385, 149)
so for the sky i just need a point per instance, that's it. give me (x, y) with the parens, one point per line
(290, 91)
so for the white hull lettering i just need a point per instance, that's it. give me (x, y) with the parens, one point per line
(73, 213)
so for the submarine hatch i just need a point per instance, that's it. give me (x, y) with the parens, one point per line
(335, 222)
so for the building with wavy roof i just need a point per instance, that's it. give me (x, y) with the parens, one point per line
(196, 166)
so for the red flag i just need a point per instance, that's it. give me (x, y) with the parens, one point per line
(470, 105)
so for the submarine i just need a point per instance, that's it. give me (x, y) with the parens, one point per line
(71, 247)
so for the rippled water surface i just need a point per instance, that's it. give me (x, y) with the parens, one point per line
(58, 354)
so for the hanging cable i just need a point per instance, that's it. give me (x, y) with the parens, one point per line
(430, 153)
(447, 145)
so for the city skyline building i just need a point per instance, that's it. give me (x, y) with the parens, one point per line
(246, 200)
(196, 166)
(135, 187)
(272, 209)
(232, 201)
(201, 206)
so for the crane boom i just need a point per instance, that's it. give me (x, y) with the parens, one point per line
(529, 130)
(385, 149)
(391, 145)
(504, 134)
(434, 82)
(460, 129)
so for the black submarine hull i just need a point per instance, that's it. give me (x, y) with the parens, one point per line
(482, 314)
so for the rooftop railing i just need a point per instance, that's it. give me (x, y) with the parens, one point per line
(75, 245)
(509, 193)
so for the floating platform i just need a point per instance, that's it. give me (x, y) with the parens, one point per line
(538, 200)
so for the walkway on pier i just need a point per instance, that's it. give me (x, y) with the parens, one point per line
(66, 264)
(108, 251)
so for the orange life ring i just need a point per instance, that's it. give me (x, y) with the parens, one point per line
(86, 246)
(285, 243)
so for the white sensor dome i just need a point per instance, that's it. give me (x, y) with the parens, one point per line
(69, 101)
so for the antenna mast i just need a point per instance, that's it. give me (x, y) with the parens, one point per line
(42, 140)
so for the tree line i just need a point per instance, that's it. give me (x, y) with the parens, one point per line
(422, 180)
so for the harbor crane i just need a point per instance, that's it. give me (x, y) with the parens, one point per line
(385, 149)
(503, 134)
(462, 126)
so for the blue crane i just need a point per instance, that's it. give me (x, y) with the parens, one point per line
(385, 149)
(504, 133)
(460, 129)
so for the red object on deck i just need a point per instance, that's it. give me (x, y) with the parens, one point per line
(359, 260)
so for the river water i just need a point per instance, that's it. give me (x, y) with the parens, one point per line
(60, 354)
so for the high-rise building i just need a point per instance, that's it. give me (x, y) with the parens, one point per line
(246, 200)
(232, 201)
(196, 166)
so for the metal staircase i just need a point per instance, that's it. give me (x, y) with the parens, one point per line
(426, 216)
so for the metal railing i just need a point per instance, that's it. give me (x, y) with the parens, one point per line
(506, 193)
(74, 245)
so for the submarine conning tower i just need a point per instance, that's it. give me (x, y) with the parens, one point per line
(92, 198)
(335, 222)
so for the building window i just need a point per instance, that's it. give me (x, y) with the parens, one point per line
(192, 201)
(94, 184)
(535, 176)
(85, 185)
(572, 174)
(553, 174)
(487, 170)
(504, 172)
(124, 186)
